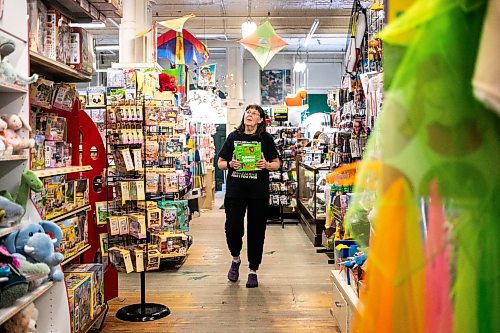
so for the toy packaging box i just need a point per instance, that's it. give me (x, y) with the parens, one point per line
(70, 241)
(247, 153)
(137, 256)
(79, 297)
(41, 93)
(121, 259)
(53, 127)
(82, 192)
(181, 210)
(137, 225)
(81, 52)
(96, 96)
(38, 153)
(96, 274)
(53, 195)
(64, 96)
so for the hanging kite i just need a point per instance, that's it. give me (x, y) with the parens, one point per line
(264, 43)
(181, 48)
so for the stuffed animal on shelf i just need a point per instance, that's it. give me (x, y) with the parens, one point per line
(37, 243)
(29, 181)
(3, 141)
(16, 135)
(7, 72)
(12, 283)
(10, 213)
(23, 322)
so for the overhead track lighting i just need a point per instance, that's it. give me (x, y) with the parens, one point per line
(310, 35)
(107, 48)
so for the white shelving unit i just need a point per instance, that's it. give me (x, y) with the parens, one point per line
(344, 301)
(50, 298)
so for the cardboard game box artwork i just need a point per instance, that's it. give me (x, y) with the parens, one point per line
(248, 153)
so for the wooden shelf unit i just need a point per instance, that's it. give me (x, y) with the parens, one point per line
(55, 70)
(61, 171)
(76, 255)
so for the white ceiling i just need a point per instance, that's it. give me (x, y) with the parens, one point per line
(222, 19)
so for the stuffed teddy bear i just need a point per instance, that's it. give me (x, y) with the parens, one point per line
(22, 322)
(36, 243)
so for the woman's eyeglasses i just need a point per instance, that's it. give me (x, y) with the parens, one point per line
(253, 113)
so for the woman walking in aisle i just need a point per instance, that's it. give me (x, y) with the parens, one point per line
(247, 189)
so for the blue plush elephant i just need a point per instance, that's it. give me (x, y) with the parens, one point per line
(36, 242)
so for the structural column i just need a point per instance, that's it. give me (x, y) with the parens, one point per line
(136, 18)
(234, 81)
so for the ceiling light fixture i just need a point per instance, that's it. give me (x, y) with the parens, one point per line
(299, 67)
(107, 47)
(309, 36)
(91, 25)
(248, 27)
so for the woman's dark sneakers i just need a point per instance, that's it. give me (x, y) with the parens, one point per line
(234, 271)
(252, 281)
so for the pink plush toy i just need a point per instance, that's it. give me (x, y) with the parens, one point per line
(3, 144)
(16, 135)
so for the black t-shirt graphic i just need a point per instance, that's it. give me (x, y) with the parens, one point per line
(252, 184)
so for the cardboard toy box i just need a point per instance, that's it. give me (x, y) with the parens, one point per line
(121, 259)
(81, 53)
(137, 225)
(96, 274)
(79, 297)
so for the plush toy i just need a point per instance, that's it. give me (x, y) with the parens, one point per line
(297, 99)
(29, 181)
(12, 284)
(3, 144)
(7, 72)
(167, 82)
(11, 138)
(10, 212)
(22, 322)
(36, 243)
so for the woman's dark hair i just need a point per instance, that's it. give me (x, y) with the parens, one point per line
(261, 128)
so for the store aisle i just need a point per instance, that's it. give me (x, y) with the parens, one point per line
(294, 294)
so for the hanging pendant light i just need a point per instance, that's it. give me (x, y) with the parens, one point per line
(248, 28)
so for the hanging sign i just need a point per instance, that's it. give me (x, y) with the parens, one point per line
(280, 113)
(206, 75)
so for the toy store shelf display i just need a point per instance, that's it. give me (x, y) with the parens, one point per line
(150, 170)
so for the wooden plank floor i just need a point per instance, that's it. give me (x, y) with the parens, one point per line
(294, 293)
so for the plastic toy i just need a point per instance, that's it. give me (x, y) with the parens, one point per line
(36, 242)
(29, 181)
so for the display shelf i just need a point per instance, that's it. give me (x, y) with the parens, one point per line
(13, 158)
(76, 255)
(6, 231)
(110, 8)
(24, 301)
(68, 214)
(55, 70)
(61, 171)
(77, 10)
(100, 315)
(14, 88)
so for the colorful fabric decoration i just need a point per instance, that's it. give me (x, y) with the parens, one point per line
(432, 129)
(264, 43)
(181, 48)
(174, 24)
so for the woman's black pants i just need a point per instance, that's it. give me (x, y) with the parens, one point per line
(257, 210)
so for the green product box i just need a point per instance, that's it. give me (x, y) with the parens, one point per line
(248, 153)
